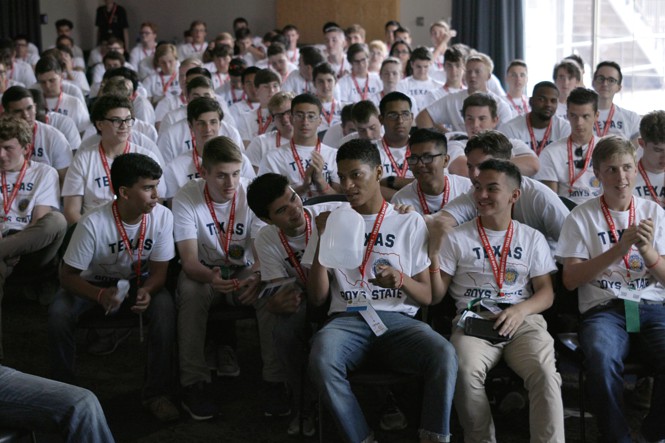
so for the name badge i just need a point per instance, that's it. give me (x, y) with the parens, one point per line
(628, 292)
(358, 304)
(374, 321)
(466, 314)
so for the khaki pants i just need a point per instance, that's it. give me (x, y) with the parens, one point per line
(531, 355)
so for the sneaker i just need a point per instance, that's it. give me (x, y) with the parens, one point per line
(227, 362)
(162, 409)
(277, 400)
(513, 401)
(392, 418)
(308, 425)
(107, 342)
(196, 401)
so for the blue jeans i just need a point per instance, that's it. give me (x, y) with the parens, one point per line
(409, 346)
(606, 345)
(64, 313)
(43, 405)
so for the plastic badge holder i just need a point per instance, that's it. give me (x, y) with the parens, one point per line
(343, 241)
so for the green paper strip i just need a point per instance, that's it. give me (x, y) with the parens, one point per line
(632, 309)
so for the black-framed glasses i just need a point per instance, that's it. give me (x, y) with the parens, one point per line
(602, 79)
(404, 115)
(413, 160)
(118, 122)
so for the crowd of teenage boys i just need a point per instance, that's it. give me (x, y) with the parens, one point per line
(215, 156)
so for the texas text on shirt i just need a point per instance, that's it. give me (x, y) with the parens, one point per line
(193, 221)
(656, 183)
(586, 234)
(401, 243)
(100, 251)
(353, 89)
(554, 166)
(39, 188)
(398, 159)
(51, 147)
(624, 122)
(517, 128)
(282, 161)
(87, 177)
(409, 194)
(462, 254)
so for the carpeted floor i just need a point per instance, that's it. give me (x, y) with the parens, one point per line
(117, 379)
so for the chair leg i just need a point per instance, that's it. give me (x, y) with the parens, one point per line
(582, 408)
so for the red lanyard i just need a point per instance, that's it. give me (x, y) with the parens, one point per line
(340, 73)
(613, 229)
(525, 105)
(329, 115)
(363, 93)
(197, 49)
(259, 119)
(165, 86)
(423, 202)
(105, 163)
(147, 53)
(534, 143)
(195, 154)
(571, 164)
(401, 172)
(278, 139)
(31, 146)
(372, 238)
(296, 156)
(125, 239)
(289, 250)
(183, 100)
(224, 238)
(110, 18)
(8, 200)
(499, 270)
(645, 177)
(608, 123)
(222, 81)
(57, 104)
(294, 56)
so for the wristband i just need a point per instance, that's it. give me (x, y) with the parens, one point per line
(401, 281)
(654, 264)
(435, 270)
(327, 188)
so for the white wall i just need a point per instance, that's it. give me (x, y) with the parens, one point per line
(430, 11)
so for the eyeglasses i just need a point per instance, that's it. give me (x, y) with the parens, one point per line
(118, 122)
(281, 115)
(602, 79)
(413, 160)
(310, 116)
(404, 115)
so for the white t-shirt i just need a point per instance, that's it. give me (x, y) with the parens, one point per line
(624, 122)
(135, 137)
(519, 105)
(333, 135)
(138, 54)
(297, 84)
(187, 50)
(178, 139)
(40, 187)
(86, 176)
(418, 90)
(241, 107)
(274, 259)
(71, 107)
(229, 95)
(331, 110)
(538, 207)
(66, 126)
(22, 72)
(169, 103)
(401, 244)
(182, 169)
(350, 93)
(247, 123)
(586, 235)
(261, 145)
(180, 113)
(408, 195)
(399, 156)
(51, 147)
(143, 109)
(97, 248)
(448, 110)
(438, 93)
(154, 85)
(462, 256)
(554, 167)
(517, 129)
(657, 181)
(194, 221)
(281, 161)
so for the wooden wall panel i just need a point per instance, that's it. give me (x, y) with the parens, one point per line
(310, 15)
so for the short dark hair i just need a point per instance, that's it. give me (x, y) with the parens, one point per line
(503, 166)
(250, 70)
(426, 135)
(363, 110)
(276, 48)
(308, 98)
(198, 82)
(311, 56)
(105, 103)
(14, 94)
(609, 64)
(243, 33)
(517, 62)
(198, 71)
(64, 22)
(127, 169)
(237, 66)
(112, 55)
(570, 66)
(420, 53)
(323, 68)
(453, 55)
(264, 190)
(347, 114)
(354, 49)
(390, 97)
(391, 23)
(544, 84)
(201, 105)
(492, 143)
(125, 72)
(480, 99)
(265, 76)
(47, 64)
(222, 51)
(220, 149)
(583, 96)
(652, 125)
(359, 149)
